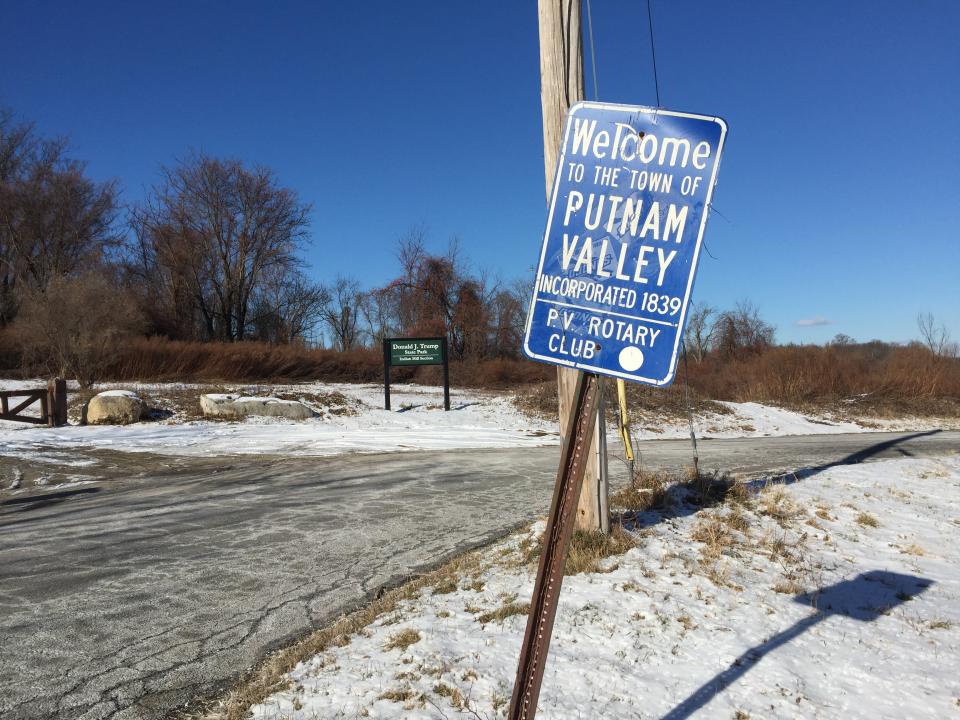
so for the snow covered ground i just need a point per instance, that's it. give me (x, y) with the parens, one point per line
(354, 421)
(836, 595)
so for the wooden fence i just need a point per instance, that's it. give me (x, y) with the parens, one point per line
(52, 399)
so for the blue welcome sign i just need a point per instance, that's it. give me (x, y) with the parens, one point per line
(627, 215)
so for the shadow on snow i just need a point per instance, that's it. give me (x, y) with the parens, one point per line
(864, 598)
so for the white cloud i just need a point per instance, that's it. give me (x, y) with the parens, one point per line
(814, 321)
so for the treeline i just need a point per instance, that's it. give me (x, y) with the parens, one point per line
(732, 355)
(214, 253)
(205, 279)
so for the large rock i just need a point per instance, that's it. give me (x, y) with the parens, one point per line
(115, 407)
(237, 406)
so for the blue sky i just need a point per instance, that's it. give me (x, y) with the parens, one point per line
(839, 189)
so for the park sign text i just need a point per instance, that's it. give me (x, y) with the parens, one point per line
(630, 201)
(416, 352)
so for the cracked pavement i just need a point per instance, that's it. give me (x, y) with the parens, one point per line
(167, 578)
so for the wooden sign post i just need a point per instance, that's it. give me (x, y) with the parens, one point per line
(399, 352)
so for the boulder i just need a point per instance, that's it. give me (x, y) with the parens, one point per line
(115, 407)
(238, 406)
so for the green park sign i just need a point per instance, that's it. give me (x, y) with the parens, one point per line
(416, 352)
(398, 352)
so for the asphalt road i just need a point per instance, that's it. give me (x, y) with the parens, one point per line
(167, 578)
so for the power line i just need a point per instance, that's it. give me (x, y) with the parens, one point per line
(653, 50)
(593, 57)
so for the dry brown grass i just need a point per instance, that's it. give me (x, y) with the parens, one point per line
(865, 519)
(402, 640)
(777, 502)
(446, 586)
(781, 548)
(158, 359)
(457, 698)
(873, 379)
(589, 549)
(648, 490)
(913, 549)
(506, 610)
(530, 549)
(789, 585)
(407, 695)
(586, 553)
(736, 519)
(539, 401)
(715, 536)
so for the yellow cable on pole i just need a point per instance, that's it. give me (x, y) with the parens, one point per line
(624, 420)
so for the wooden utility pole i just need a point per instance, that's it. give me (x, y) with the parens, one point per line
(561, 85)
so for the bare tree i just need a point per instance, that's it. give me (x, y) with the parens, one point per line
(217, 229)
(379, 310)
(508, 314)
(54, 221)
(935, 337)
(842, 340)
(699, 331)
(439, 295)
(75, 326)
(741, 330)
(288, 307)
(470, 320)
(341, 312)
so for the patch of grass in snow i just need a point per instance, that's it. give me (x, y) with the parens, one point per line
(446, 586)
(865, 519)
(913, 549)
(457, 699)
(528, 552)
(781, 548)
(725, 533)
(407, 695)
(777, 502)
(503, 612)
(687, 622)
(715, 535)
(789, 585)
(402, 640)
(589, 549)
(648, 490)
(661, 491)
(737, 520)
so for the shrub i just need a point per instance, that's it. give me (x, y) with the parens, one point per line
(76, 326)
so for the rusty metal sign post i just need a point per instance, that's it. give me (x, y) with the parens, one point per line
(556, 542)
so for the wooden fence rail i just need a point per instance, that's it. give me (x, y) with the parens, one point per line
(52, 399)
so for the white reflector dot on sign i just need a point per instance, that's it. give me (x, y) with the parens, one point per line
(631, 358)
